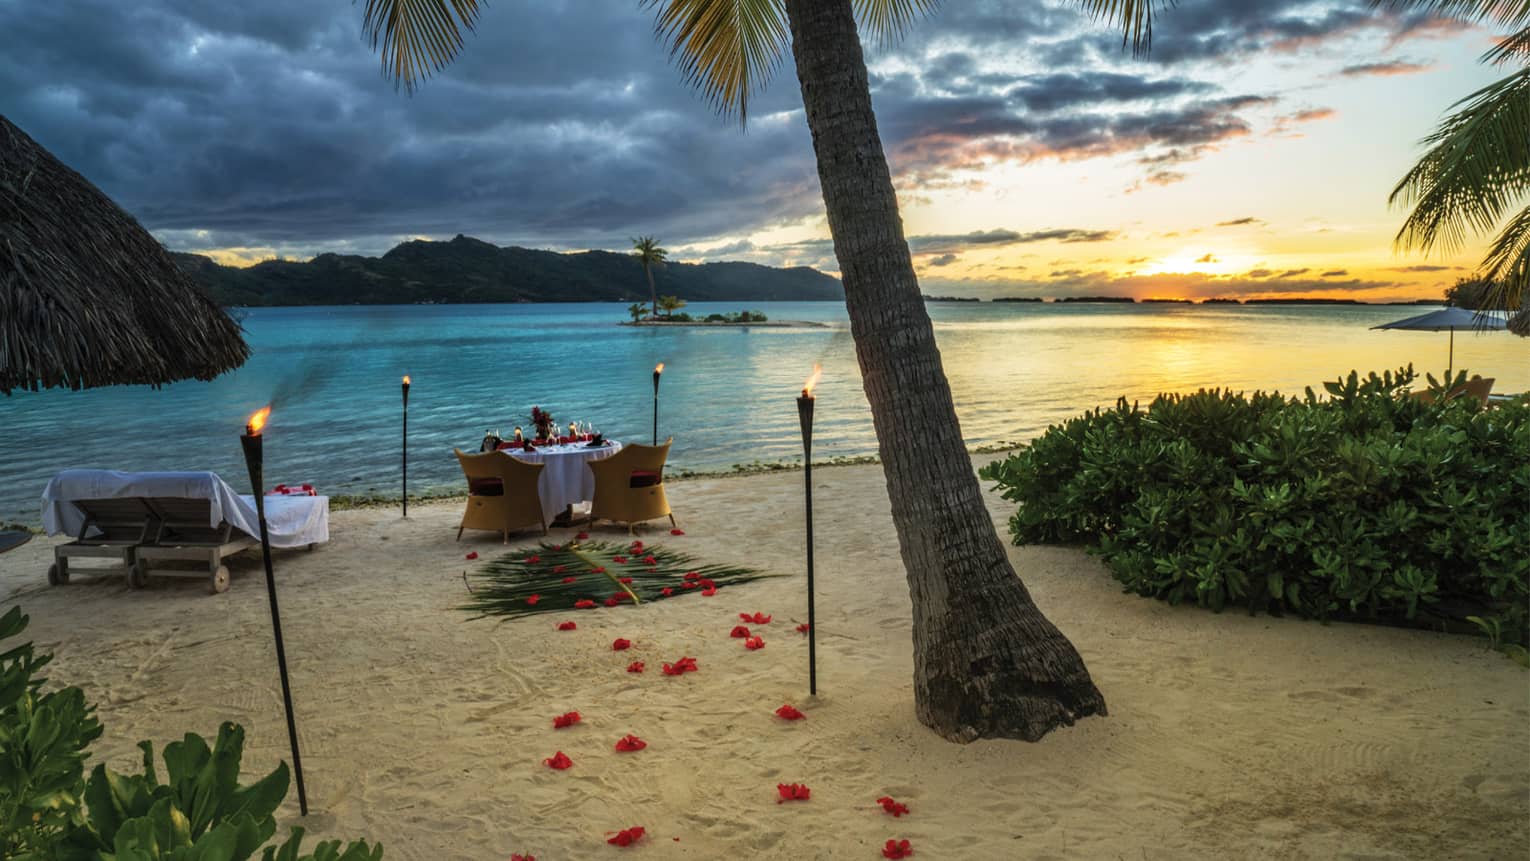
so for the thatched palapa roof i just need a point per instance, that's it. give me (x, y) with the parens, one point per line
(87, 296)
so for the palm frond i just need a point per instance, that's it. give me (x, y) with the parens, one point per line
(1510, 14)
(418, 36)
(502, 586)
(1478, 167)
(1511, 48)
(1134, 17)
(1507, 265)
(887, 20)
(728, 49)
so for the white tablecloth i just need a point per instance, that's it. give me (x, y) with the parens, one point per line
(291, 521)
(565, 477)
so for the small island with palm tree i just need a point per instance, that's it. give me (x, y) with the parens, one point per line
(665, 310)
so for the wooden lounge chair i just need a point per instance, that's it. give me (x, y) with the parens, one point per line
(182, 533)
(629, 485)
(1478, 387)
(502, 494)
(113, 529)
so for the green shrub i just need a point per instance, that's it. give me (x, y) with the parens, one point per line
(49, 812)
(1366, 504)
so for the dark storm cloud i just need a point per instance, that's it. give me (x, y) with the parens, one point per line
(229, 123)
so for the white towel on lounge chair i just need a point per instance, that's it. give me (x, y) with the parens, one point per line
(291, 521)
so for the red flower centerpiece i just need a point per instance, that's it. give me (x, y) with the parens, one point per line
(543, 422)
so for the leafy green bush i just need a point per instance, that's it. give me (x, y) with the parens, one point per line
(49, 812)
(1367, 504)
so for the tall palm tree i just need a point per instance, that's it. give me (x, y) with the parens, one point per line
(988, 664)
(1477, 168)
(646, 249)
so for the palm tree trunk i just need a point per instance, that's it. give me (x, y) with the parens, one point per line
(653, 294)
(987, 663)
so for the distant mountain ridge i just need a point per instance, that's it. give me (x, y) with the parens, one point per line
(471, 270)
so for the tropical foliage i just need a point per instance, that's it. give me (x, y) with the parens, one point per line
(1367, 504)
(637, 312)
(738, 317)
(1476, 172)
(670, 304)
(49, 812)
(646, 249)
(590, 575)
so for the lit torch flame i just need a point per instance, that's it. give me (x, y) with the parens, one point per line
(406, 379)
(257, 421)
(807, 388)
(659, 368)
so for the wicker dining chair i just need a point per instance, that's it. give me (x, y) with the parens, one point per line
(502, 493)
(629, 485)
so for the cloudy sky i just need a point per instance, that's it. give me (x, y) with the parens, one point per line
(1250, 154)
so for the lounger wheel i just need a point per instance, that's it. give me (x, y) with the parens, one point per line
(58, 574)
(137, 575)
(220, 579)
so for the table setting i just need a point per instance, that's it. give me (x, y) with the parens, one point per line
(566, 481)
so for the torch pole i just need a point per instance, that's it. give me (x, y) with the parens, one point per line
(254, 458)
(656, 374)
(805, 415)
(405, 454)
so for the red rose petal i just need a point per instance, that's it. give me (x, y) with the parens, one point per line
(706, 584)
(691, 575)
(760, 619)
(559, 569)
(566, 720)
(568, 579)
(516, 856)
(620, 645)
(707, 593)
(649, 560)
(666, 591)
(613, 601)
(897, 849)
(792, 792)
(740, 632)
(581, 536)
(620, 560)
(583, 604)
(533, 600)
(627, 836)
(559, 761)
(677, 532)
(789, 712)
(624, 580)
(637, 547)
(892, 806)
(473, 555)
(687, 585)
(804, 628)
(630, 743)
(600, 569)
(532, 560)
(754, 644)
(635, 667)
(566, 626)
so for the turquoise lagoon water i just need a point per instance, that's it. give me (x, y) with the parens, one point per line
(727, 394)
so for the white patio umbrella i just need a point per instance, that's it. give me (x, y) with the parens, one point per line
(1449, 320)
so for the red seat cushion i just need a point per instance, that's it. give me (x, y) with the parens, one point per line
(486, 487)
(644, 478)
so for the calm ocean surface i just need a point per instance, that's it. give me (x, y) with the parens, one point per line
(727, 394)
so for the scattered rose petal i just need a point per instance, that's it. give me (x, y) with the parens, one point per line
(581, 536)
(624, 580)
(804, 628)
(691, 575)
(620, 560)
(666, 591)
(754, 644)
(792, 792)
(739, 631)
(600, 569)
(559, 569)
(789, 712)
(687, 585)
(627, 836)
(706, 584)
(564, 721)
(559, 760)
(620, 645)
(516, 856)
(709, 592)
(613, 601)
(532, 560)
(583, 604)
(566, 626)
(637, 547)
(635, 667)
(680, 667)
(557, 546)
(677, 532)
(630, 744)
(568, 579)
(897, 849)
(892, 806)
(473, 555)
(532, 601)
(757, 618)
(649, 560)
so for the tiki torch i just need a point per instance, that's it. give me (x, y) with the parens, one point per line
(406, 445)
(254, 460)
(805, 415)
(657, 370)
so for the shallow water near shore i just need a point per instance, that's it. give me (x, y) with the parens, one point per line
(727, 394)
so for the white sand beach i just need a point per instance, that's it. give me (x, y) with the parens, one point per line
(1229, 736)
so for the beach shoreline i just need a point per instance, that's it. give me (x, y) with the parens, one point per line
(1228, 735)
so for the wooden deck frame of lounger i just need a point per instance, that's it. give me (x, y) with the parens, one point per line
(123, 526)
(183, 534)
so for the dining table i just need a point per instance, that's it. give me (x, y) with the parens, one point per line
(566, 479)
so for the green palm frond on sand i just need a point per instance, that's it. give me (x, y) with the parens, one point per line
(502, 586)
